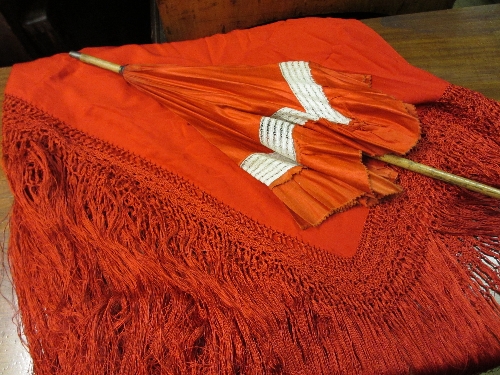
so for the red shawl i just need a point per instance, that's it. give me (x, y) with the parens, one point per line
(137, 247)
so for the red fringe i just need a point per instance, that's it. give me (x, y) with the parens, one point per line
(121, 267)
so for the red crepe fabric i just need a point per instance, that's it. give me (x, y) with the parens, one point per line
(104, 106)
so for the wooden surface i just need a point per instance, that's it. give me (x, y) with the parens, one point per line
(14, 359)
(199, 18)
(459, 45)
(5, 195)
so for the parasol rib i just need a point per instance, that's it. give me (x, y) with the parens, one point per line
(388, 158)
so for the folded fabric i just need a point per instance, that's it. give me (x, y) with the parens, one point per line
(138, 247)
(296, 126)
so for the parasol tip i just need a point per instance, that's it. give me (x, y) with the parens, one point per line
(116, 68)
(75, 54)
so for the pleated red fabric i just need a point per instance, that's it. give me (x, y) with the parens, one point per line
(297, 127)
(139, 247)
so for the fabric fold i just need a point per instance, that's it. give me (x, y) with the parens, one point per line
(310, 115)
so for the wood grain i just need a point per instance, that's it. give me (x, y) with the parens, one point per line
(461, 45)
(14, 358)
(5, 194)
(200, 18)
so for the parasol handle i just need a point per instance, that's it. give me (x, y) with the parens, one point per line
(440, 175)
(388, 158)
(97, 62)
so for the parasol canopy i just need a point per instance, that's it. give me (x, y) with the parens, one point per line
(296, 126)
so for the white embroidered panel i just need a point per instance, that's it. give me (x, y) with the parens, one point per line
(308, 92)
(276, 132)
(294, 116)
(267, 168)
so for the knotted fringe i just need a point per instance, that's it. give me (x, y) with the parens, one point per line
(122, 267)
(468, 144)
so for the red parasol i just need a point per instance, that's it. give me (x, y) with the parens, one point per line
(298, 127)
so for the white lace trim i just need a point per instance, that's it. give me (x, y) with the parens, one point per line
(310, 95)
(267, 168)
(276, 132)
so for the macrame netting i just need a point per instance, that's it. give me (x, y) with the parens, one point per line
(123, 267)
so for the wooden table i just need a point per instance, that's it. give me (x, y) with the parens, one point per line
(5, 195)
(459, 45)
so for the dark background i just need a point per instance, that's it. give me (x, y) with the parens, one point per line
(31, 29)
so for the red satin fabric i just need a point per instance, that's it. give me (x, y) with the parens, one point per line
(226, 104)
(104, 106)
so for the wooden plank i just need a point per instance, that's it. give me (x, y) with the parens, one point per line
(461, 46)
(200, 18)
(14, 358)
(5, 194)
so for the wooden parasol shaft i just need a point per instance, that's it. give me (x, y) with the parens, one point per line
(388, 158)
(441, 175)
(104, 64)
